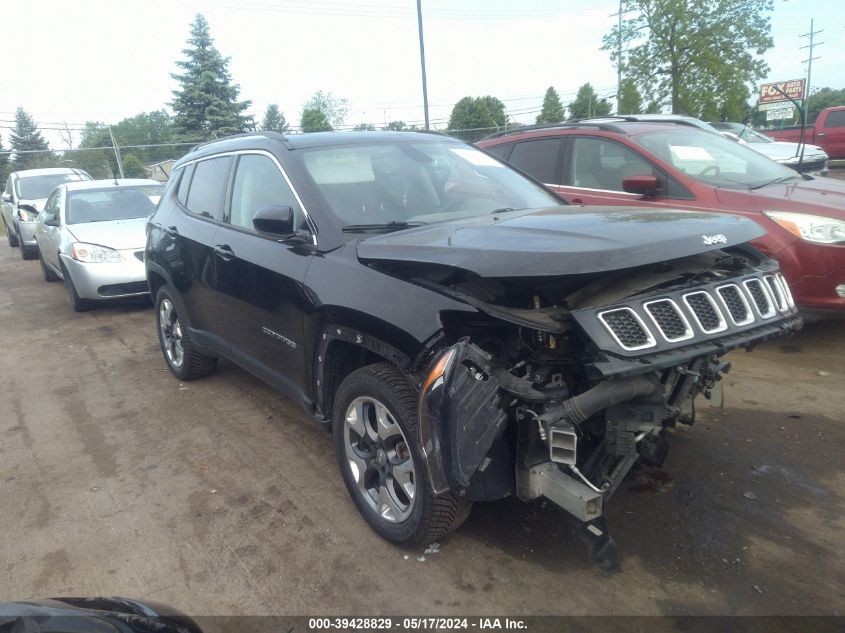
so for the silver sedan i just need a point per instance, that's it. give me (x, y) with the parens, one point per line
(92, 234)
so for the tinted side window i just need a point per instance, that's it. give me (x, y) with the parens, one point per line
(835, 119)
(185, 180)
(207, 194)
(537, 158)
(600, 164)
(258, 184)
(51, 206)
(500, 151)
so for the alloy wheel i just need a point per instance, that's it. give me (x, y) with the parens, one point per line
(379, 459)
(171, 333)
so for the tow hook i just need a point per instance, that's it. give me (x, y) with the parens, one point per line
(604, 553)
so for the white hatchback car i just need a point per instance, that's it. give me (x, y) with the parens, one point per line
(92, 235)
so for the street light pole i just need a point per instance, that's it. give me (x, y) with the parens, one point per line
(422, 63)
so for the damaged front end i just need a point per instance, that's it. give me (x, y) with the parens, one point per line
(562, 405)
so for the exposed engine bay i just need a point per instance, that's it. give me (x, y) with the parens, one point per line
(561, 384)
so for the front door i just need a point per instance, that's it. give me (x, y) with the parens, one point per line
(47, 235)
(260, 278)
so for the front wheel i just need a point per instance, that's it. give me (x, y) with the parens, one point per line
(11, 236)
(181, 354)
(79, 304)
(375, 434)
(48, 273)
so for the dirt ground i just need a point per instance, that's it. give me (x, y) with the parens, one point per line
(222, 497)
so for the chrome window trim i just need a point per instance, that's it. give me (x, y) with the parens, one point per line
(264, 152)
(772, 307)
(688, 333)
(780, 297)
(749, 311)
(651, 342)
(723, 324)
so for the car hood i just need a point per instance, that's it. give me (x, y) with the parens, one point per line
(117, 234)
(824, 196)
(789, 152)
(38, 204)
(561, 240)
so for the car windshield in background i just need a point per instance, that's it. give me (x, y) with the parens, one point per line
(394, 185)
(40, 187)
(98, 205)
(743, 132)
(714, 159)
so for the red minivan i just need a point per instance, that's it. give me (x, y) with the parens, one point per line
(639, 163)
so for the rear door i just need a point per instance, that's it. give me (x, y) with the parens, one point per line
(539, 158)
(201, 197)
(831, 136)
(260, 277)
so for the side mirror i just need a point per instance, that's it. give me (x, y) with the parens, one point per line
(7, 197)
(276, 219)
(643, 185)
(51, 220)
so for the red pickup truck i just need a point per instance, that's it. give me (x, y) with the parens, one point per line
(828, 132)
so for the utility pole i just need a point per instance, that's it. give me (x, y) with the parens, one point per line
(809, 62)
(619, 53)
(422, 62)
(116, 153)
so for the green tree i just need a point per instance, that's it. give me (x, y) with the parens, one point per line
(5, 165)
(473, 118)
(132, 167)
(322, 112)
(693, 53)
(587, 104)
(553, 110)
(396, 126)
(314, 120)
(206, 102)
(364, 127)
(274, 120)
(824, 98)
(630, 99)
(25, 137)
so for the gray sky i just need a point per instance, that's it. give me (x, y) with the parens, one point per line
(99, 60)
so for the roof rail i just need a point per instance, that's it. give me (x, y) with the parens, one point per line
(565, 125)
(266, 133)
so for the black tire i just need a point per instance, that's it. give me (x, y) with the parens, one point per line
(11, 236)
(27, 252)
(79, 304)
(192, 363)
(430, 518)
(48, 273)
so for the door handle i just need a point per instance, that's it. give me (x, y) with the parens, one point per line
(224, 252)
(822, 134)
(577, 201)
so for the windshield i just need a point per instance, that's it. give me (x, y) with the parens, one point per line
(416, 183)
(713, 159)
(39, 187)
(98, 205)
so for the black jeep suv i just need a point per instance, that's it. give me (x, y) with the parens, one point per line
(463, 334)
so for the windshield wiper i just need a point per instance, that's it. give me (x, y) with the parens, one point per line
(776, 181)
(507, 209)
(385, 226)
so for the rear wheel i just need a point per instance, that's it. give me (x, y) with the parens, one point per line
(181, 354)
(375, 435)
(48, 273)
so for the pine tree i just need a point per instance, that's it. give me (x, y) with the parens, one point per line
(26, 138)
(629, 100)
(206, 103)
(5, 167)
(587, 104)
(274, 120)
(553, 110)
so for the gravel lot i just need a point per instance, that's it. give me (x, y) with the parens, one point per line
(220, 496)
